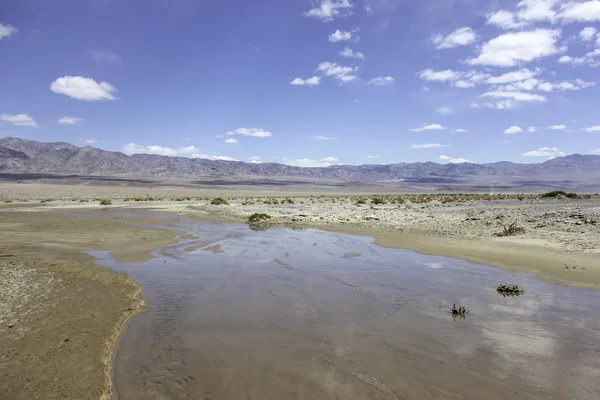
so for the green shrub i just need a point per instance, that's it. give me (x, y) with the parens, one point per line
(361, 201)
(105, 202)
(554, 193)
(219, 201)
(378, 200)
(256, 217)
(46, 201)
(83, 201)
(289, 201)
(8, 201)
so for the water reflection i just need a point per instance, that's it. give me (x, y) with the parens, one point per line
(282, 313)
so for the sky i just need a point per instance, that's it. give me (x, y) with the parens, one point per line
(306, 82)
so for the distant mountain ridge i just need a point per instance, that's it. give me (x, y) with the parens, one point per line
(28, 156)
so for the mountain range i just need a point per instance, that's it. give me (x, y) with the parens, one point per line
(21, 156)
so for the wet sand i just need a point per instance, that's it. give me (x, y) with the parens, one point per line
(60, 313)
(237, 325)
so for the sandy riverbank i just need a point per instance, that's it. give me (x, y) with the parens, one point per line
(60, 314)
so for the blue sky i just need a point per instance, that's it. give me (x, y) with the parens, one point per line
(306, 82)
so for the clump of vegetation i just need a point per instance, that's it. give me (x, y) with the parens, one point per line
(8, 201)
(84, 201)
(458, 312)
(511, 230)
(187, 198)
(558, 194)
(289, 200)
(44, 201)
(378, 200)
(257, 217)
(361, 201)
(219, 201)
(105, 202)
(510, 290)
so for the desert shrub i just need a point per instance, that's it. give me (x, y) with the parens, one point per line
(8, 201)
(554, 193)
(361, 201)
(289, 200)
(378, 200)
(83, 201)
(511, 230)
(105, 202)
(571, 195)
(256, 217)
(47, 200)
(219, 201)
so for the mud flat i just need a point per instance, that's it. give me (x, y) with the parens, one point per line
(60, 313)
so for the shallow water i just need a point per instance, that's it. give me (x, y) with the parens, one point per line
(281, 314)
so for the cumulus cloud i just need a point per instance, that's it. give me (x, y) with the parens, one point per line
(349, 53)
(513, 76)
(253, 132)
(69, 120)
(19, 120)
(557, 127)
(431, 127)
(532, 129)
(513, 130)
(340, 36)
(587, 11)
(327, 10)
(81, 88)
(314, 81)
(544, 152)
(517, 96)
(460, 37)
(511, 49)
(445, 110)
(505, 20)
(254, 160)
(454, 160)
(588, 33)
(107, 57)
(427, 146)
(188, 151)
(7, 31)
(231, 141)
(309, 162)
(439, 76)
(340, 72)
(374, 156)
(323, 138)
(382, 81)
(592, 129)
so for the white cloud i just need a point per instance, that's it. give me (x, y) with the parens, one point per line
(314, 81)
(597, 151)
(592, 129)
(513, 76)
(587, 11)
(460, 37)
(532, 129)
(511, 49)
(382, 81)
(453, 160)
(189, 152)
(427, 146)
(544, 152)
(557, 127)
(349, 53)
(326, 10)
(439, 76)
(517, 96)
(340, 72)
(107, 57)
(309, 162)
(431, 127)
(81, 88)
(375, 156)
(19, 120)
(471, 79)
(93, 141)
(505, 20)
(562, 86)
(445, 110)
(69, 120)
(7, 31)
(254, 160)
(460, 130)
(497, 105)
(537, 10)
(323, 138)
(572, 60)
(588, 34)
(231, 141)
(253, 132)
(512, 130)
(340, 36)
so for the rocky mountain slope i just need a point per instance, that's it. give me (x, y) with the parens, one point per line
(32, 157)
